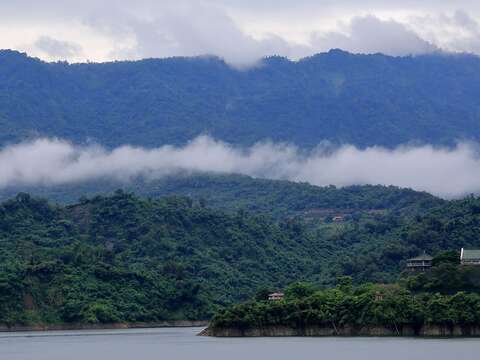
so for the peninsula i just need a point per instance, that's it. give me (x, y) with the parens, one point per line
(443, 301)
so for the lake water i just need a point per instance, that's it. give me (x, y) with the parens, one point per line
(182, 344)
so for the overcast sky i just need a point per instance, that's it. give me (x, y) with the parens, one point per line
(241, 31)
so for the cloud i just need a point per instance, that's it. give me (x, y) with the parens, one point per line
(200, 30)
(369, 35)
(193, 30)
(51, 162)
(458, 32)
(57, 49)
(241, 32)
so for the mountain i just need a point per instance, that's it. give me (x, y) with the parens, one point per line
(275, 198)
(337, 96)
(122, 258)
(371, 249)
(188, 245)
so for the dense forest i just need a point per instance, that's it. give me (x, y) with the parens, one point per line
(276, 198)
(123, 258)
(345, 98)
(372, 248)
(391, 306)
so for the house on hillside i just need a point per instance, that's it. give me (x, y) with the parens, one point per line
(420, 263)
(378, 296)
(470, 257)
(275, 296)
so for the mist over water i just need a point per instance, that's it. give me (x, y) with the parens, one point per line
(446, 172)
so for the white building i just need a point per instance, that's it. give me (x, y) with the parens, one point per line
(470, 257)
(275, 296)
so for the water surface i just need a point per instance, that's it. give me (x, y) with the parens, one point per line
(182, 344)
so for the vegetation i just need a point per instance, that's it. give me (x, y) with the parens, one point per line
(374, 248)
(337, 96)
(446, 276)
(278, 199)
(223, 239)
(356, 306)
(121, 258)
(124, 258)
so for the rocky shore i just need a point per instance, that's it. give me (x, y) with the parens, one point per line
(406, 330)
(62, 327)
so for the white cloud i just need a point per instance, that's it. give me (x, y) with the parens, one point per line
(369, 34)
(57, 49)
(241, 31)
(458, 31)
(201, 30)
(191, 31)
(49, 162)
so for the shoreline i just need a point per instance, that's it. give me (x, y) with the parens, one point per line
(425, 331)
(114, 326)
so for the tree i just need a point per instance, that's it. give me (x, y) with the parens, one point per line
(446, 257)
(299, 290)
(344, 284)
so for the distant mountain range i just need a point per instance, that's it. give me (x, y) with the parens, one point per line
(217, 239)
(357, 99)
(279, 199)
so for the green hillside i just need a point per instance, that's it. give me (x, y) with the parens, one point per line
(345, 98)
(355, 310)
(125, 258)
(233, 192)
(121, 258)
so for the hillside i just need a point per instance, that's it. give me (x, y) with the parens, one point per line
(372, 249)
(122, 258)
(345, 98)
(275, 198)
(346, 310)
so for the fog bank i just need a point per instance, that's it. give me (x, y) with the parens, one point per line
(444, 172)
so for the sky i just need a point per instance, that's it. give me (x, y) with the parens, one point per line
(240, 31)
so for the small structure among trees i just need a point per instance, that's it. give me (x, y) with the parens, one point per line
(378, 296)
(470, 257)
(420, 263)
(276, 296)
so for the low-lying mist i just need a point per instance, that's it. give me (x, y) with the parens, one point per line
(446, 172)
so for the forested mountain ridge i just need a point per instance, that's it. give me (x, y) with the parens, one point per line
(120, 258)
(275, 198)
(345, 98)
(124, 259)
(371, 249)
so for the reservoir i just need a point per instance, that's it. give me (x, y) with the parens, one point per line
(183, 344)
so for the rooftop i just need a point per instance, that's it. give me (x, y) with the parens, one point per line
(423, 257)
(470, 254)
